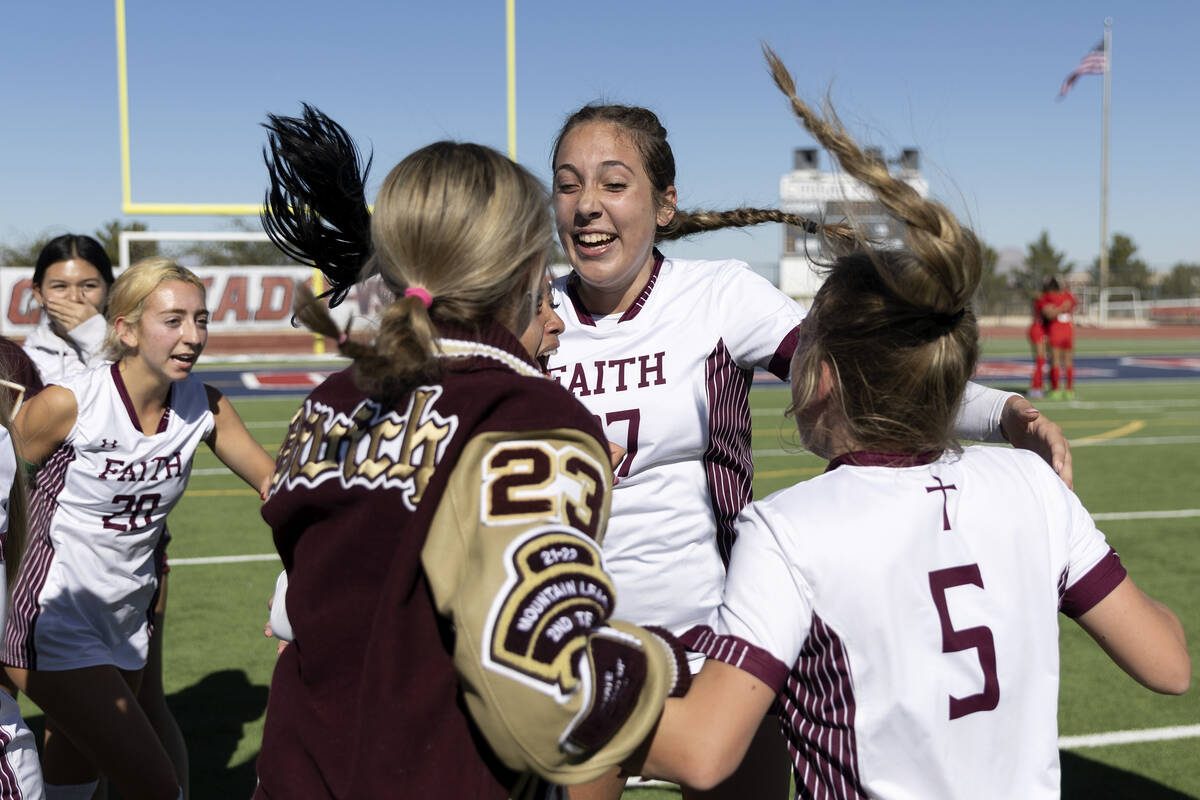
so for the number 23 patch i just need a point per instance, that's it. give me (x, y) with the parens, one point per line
(533, 481)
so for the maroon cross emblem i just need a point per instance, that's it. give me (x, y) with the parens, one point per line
(944, 488)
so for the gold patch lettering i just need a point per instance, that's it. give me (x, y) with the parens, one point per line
(557, 592)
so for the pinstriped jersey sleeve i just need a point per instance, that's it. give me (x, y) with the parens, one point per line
(556, 687)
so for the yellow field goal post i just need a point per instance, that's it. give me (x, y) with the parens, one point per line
(128, 206)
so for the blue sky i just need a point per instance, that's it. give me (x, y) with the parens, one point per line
(973, 85)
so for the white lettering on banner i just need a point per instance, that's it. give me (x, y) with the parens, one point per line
(239, 298)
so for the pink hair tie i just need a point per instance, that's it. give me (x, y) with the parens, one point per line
(418, 292)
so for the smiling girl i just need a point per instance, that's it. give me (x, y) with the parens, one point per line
(662, 351)
(115, 448)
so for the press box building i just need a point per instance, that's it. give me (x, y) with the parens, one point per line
(832, 197)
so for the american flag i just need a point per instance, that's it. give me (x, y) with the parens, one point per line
(1091, 64)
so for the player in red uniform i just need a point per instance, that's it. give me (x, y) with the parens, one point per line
(436, 505)
(1037, 340)
(1059, 308)
(906, 624)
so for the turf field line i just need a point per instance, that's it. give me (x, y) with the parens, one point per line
(783, 473)
(1144, 440)
(1116, 515)
(1131, 405)
(1182, 513)
(267, 398)
(183, 562)
(1085, 442)
(1115, 433)
(1122, 405)
(1127, 737)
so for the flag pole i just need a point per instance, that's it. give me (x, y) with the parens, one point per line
(1104, 171)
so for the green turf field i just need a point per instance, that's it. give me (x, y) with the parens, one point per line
(1137, 450)
(1010, 347)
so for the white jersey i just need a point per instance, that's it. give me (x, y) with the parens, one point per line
(57, 358)
(20, 770)
(89, 576)
(669, 381)
(8, 474)
(908, 616)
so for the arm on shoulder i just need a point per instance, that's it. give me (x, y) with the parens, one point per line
(555, 685)
(233, 444)
(1029, 429)
(44, 422)
(703, 737)
(989, 415)
(1142, 636)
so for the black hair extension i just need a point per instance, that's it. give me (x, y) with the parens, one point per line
(316, 207)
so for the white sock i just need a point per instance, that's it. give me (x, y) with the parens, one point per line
(74, 791)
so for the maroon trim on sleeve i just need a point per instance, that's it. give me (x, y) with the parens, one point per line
(781, 362)
(738, 653)
(1093, 587)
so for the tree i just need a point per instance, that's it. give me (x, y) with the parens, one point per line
(1041, 261)
(1182, 281)
(993, 292)
(109, 236)
(24, 254)
(1123, 268)
(237, 254)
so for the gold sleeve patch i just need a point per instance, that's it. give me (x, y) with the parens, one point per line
(526, 482)
(556, 594)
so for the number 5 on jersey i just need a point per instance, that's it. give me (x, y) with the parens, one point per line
(533, 482)
(978, 638)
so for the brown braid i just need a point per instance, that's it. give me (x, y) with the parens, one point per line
(894, 327)
(949, 253)
(685, 223)
(650, 138)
